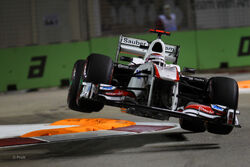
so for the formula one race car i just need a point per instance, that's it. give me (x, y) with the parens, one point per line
(152, 85)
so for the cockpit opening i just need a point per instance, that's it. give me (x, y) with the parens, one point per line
(157, 47)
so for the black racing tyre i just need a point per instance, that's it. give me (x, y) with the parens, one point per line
(87, 105)
(218, 129)
(77, 74)
(99, 69)
(192, 125)
(222, 91)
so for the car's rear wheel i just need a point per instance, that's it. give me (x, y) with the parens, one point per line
(222, 91)
(74, 87)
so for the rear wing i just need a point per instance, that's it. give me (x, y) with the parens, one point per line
(140, 47)
(131, 46)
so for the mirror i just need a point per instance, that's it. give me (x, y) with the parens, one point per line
(189, 70)
(125, 58)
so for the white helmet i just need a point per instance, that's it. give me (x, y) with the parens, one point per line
(157, 58)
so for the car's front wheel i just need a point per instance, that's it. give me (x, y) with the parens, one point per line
(192, 125)
(218, 129)
(99, 69)
(222, 91)
(74, 87)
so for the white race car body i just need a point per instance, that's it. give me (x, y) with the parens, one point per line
(152, 85)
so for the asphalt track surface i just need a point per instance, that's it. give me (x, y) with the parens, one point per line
(176, 148)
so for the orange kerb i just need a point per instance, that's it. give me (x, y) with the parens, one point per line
(244, 84)
(81, 125)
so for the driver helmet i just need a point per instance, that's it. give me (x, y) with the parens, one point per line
(156, 58)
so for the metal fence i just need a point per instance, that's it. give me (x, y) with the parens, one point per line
(221, 13)
(32, 22)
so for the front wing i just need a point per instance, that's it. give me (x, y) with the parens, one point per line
(113, 96)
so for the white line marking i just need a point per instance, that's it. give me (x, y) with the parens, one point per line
(8, 131)
(244, 90)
